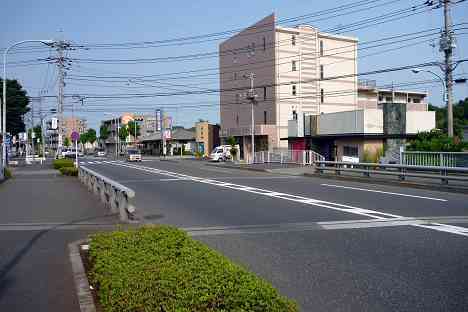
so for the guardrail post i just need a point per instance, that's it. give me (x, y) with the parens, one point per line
(281, 157)
(337, 170)
(402, 175)
(444, 174)
(367, 173)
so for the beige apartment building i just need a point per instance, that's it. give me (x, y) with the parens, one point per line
(292, 68)
(206, 136)
(308, 95)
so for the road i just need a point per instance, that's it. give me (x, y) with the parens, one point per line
(331, 245)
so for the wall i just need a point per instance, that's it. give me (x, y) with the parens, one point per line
(420, 121)
(343, 122)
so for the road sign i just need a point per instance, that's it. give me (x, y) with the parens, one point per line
(75, 136)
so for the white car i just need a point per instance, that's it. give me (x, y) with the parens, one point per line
(133, 155)
(101, 154)
(221, 153)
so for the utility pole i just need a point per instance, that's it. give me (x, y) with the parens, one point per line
(251, 96)
(447, 44)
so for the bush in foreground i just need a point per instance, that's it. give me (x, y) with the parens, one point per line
(7, 173)
(69, 171)
(161, 268)
(59, 163)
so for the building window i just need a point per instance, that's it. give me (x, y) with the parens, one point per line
(380, 98)
(351, 151)
(237, 120)
(293, 40)
(235, 76)
(237, 98)
(322, 96)
(293, 65)
(264, 94)
(321, 72)
(321, 48)
(265, 117)
(388, 99)
(264, 44)
(294, 92)
(253, 46)
(294, 113)
(417, 101)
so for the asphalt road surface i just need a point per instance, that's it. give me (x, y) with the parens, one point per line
(332, 245)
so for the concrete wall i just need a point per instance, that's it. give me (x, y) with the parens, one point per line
(356, 121)
(418, 121)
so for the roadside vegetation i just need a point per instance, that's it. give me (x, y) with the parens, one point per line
(160, 268)
(59, 163)
(69, 171)
(436, 141)
(7, 173)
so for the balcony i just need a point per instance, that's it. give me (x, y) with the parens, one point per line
(246, 131)
(366, 84)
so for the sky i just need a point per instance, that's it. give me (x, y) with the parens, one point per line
(92, 23)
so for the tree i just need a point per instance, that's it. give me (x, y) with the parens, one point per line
(460, 117)
(66, 142)
(103, 132)
(123, 133)
(91, 135)
(232, 141)
(132, 125)
(17, 106)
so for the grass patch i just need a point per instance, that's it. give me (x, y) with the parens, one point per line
(69, 171)
(160, 268)
(59, 163)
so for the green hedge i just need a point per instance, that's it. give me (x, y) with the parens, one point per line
(69, 171)
(160, 268)
(7, 173)
(59, 163)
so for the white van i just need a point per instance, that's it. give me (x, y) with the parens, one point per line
(222, 153)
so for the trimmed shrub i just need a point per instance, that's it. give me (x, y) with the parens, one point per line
(59, 163)
(160, 268)
(7, 173)
(69, 171)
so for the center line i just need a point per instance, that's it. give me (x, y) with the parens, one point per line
(383, 192)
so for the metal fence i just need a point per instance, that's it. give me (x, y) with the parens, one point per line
(441, 159)
(111, 193)
(444, 174)
(299, 157)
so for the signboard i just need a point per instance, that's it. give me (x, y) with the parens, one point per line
(75, 136)
(158, 120)
(167, 134)
(350, 159)
(60, 141)
(54, 122)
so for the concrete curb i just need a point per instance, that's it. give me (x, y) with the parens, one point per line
(440, 188)
(85, 298)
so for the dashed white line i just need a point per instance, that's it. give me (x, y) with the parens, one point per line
(382, 192)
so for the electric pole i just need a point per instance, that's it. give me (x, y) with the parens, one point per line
(251, 96)
(447, 44)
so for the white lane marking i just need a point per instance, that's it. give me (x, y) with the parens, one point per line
(300, 199)
(173, 179)
(383, 192)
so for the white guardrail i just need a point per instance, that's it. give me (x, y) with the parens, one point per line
(300, 157)
(444, 174)
(111, 193)
(442, 159)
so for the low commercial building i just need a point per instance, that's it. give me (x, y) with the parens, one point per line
(180, 138)
(207, 137)
(363, 134)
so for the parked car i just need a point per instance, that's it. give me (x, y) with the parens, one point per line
(71, 153)
(222, 153)
(133, 155)
(101, 153)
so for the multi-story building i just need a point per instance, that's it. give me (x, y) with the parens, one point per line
(67, 126)
(308, 94)
(293, 68)
(207, 136)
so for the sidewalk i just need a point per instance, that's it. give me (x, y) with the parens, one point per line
(42, 212)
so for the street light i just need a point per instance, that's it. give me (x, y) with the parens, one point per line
(3, 128)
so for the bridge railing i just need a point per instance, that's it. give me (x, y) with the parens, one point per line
(444, 174)
(117, 196)
(441, 159)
